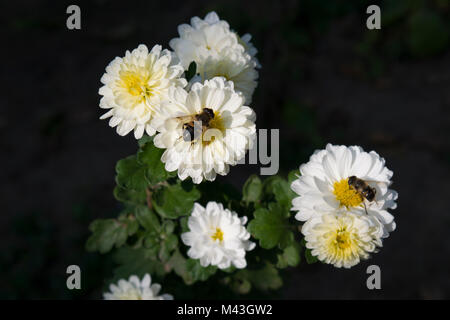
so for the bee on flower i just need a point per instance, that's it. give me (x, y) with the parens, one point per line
(226, 130)
(323, 185)
(343, 194)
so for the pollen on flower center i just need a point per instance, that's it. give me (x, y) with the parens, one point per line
(346, 195)
(218, 235)
(342, 244)
(135, 83)
(217, 124)
(343, 239)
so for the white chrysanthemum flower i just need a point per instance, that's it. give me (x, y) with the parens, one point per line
(202, 39)
(136, 85)
(323, 185)
(133, 289)
(245, 41)
(218, 51)
(225, 140)
(234, 66)
(344, 239)
(217, 236)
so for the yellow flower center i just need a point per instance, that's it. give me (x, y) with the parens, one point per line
(346, 195)
(218, 235)
(217, 122)
(342, 244)
(135, 83)
(343, 239)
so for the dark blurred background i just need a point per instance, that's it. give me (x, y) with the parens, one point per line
(325, 78)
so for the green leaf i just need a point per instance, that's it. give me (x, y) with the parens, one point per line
(178, 263)
(152, 242)
(184, 224)
(175, 201)
(271, 227)
(240, 283)
(293, 175)
(131, 174)
(310, 259)
(290, 256)
(135, 173)
(169, 244)
(131, 222)
(129, 195)
(149, 157)
(137, 262)
(281, 190)
(188, 269)
(109, 232)
(169, 226)
(144, 140)
(147, 219)
(191, 71)
(266, 278)
(197, 272)
(252, 190)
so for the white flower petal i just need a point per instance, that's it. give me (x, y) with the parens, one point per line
(134, 289)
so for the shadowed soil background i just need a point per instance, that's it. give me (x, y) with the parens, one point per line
(325, 78)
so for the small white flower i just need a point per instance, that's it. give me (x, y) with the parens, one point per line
(224, 142)
(136, 85)
(218, 51)
(133, 289)
(342, 239)
(323, 185)
(217, 236)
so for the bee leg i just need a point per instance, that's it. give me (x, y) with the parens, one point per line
(365, 208)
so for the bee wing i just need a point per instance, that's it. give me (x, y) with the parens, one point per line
(184, 118)
(369, 181)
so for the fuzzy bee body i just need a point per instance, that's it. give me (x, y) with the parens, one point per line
(204, 117)
(363, 189)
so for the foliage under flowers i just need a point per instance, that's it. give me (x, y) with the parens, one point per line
(145, 237)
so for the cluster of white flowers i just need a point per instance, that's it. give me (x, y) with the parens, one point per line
(134, 289)
(345, 220)
(147, 92)
(205, 126)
